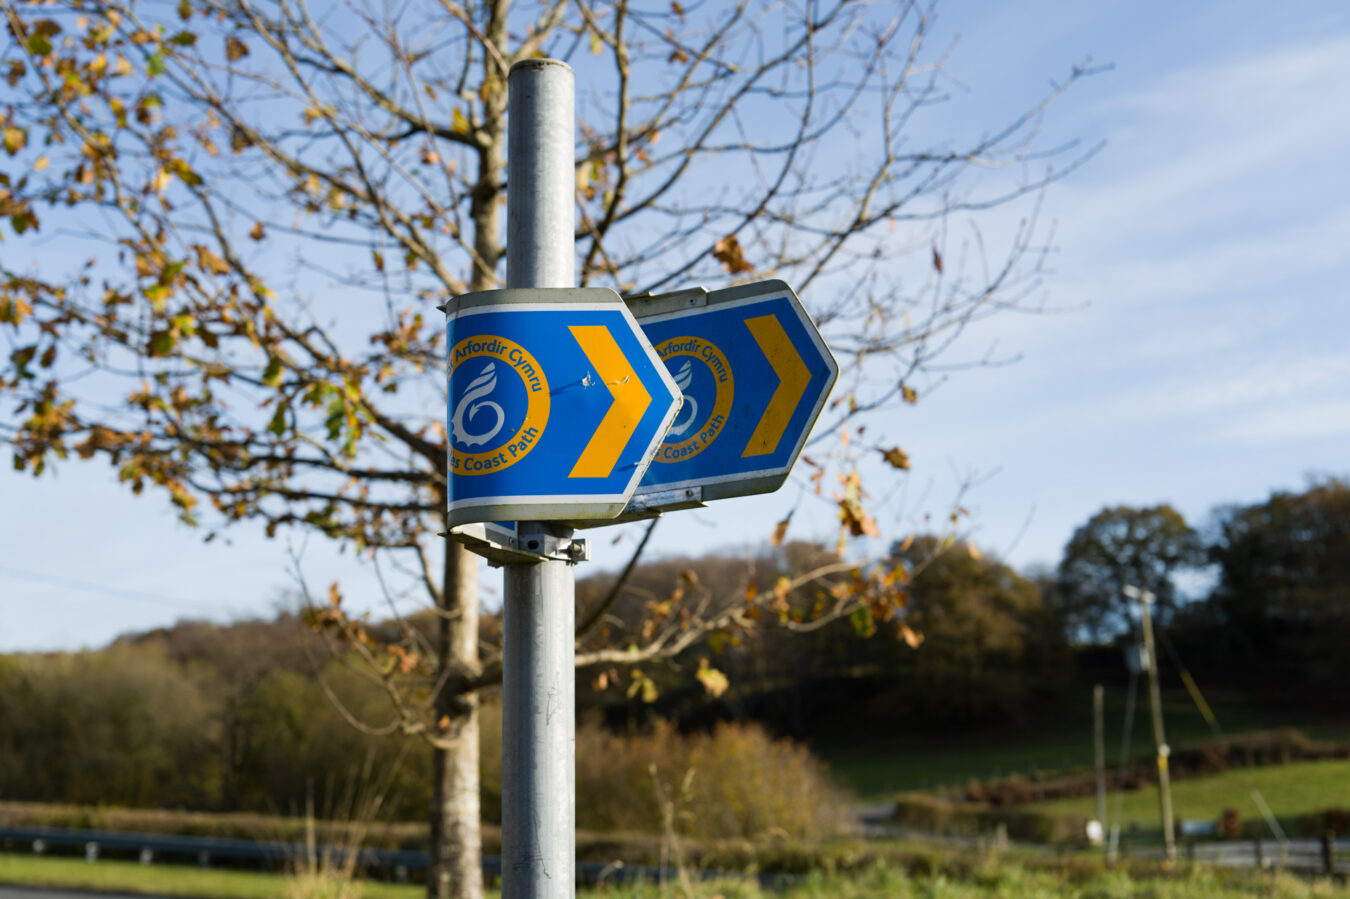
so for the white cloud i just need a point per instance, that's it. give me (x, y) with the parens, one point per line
(1288, 423)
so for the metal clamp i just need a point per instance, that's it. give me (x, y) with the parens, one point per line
(526, 543)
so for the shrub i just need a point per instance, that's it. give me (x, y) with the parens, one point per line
(733, 783)
(934, 814)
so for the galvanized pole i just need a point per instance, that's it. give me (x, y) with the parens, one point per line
(538, 676)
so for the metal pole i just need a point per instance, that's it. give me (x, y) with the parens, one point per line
(1099, 747)
(538, 676)
(1159, 738)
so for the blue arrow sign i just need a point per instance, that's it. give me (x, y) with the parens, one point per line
(556, 404)
(754, 374)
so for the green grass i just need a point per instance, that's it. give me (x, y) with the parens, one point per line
(1001, 880)
(877, 766)
(1006, 882)
(159, 879)
(1292, 791)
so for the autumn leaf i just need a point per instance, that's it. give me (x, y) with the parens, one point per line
(459, 124)
(909, 394)
(15, 140)
(235, 49)
(857, 522)
(780, 531)
(895, 457)
(714, 682)
(937, 259)
(751, 591)
(911, 637)
(334, 595)
(644, 685)
(257, 233)
(974, 553)
(184, 172)
(210, 262)
(378, 258)
(728, 252)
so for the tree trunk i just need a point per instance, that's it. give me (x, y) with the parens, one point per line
(456, 840)
(456, 870)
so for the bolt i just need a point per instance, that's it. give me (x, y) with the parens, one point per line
(533, 544)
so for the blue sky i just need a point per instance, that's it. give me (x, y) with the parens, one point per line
(1198, 355)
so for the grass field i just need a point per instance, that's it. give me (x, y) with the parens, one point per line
(877, 766)
(161, 880)
(1292, 791)
(987, 879)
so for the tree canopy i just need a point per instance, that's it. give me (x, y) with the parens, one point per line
(1283, 597)
(235, 220)
(1124, 546)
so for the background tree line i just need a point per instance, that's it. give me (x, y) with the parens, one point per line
(257, 715)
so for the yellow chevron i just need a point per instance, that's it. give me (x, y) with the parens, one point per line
(631, 400)
(793, 379)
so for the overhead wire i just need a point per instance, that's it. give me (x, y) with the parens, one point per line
(134, 595)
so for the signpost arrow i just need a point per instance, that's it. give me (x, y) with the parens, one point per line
(556, 403)
(754, 374)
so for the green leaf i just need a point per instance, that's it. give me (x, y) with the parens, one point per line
(184, 39)
(278, 423)
(862, 621)
(38, 45)
(22, 221)
(21, 358)
(161, 343)
(272, 374)
(155, 64)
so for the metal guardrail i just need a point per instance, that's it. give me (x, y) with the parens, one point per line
(1300, 855)
(396, 863)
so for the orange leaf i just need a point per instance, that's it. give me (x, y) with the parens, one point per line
(235, 49)
(896, 457)
(780, 531)
(728, 252)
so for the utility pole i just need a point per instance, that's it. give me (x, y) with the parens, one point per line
(538, 628)
(1099, 745)
(1159, 738)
